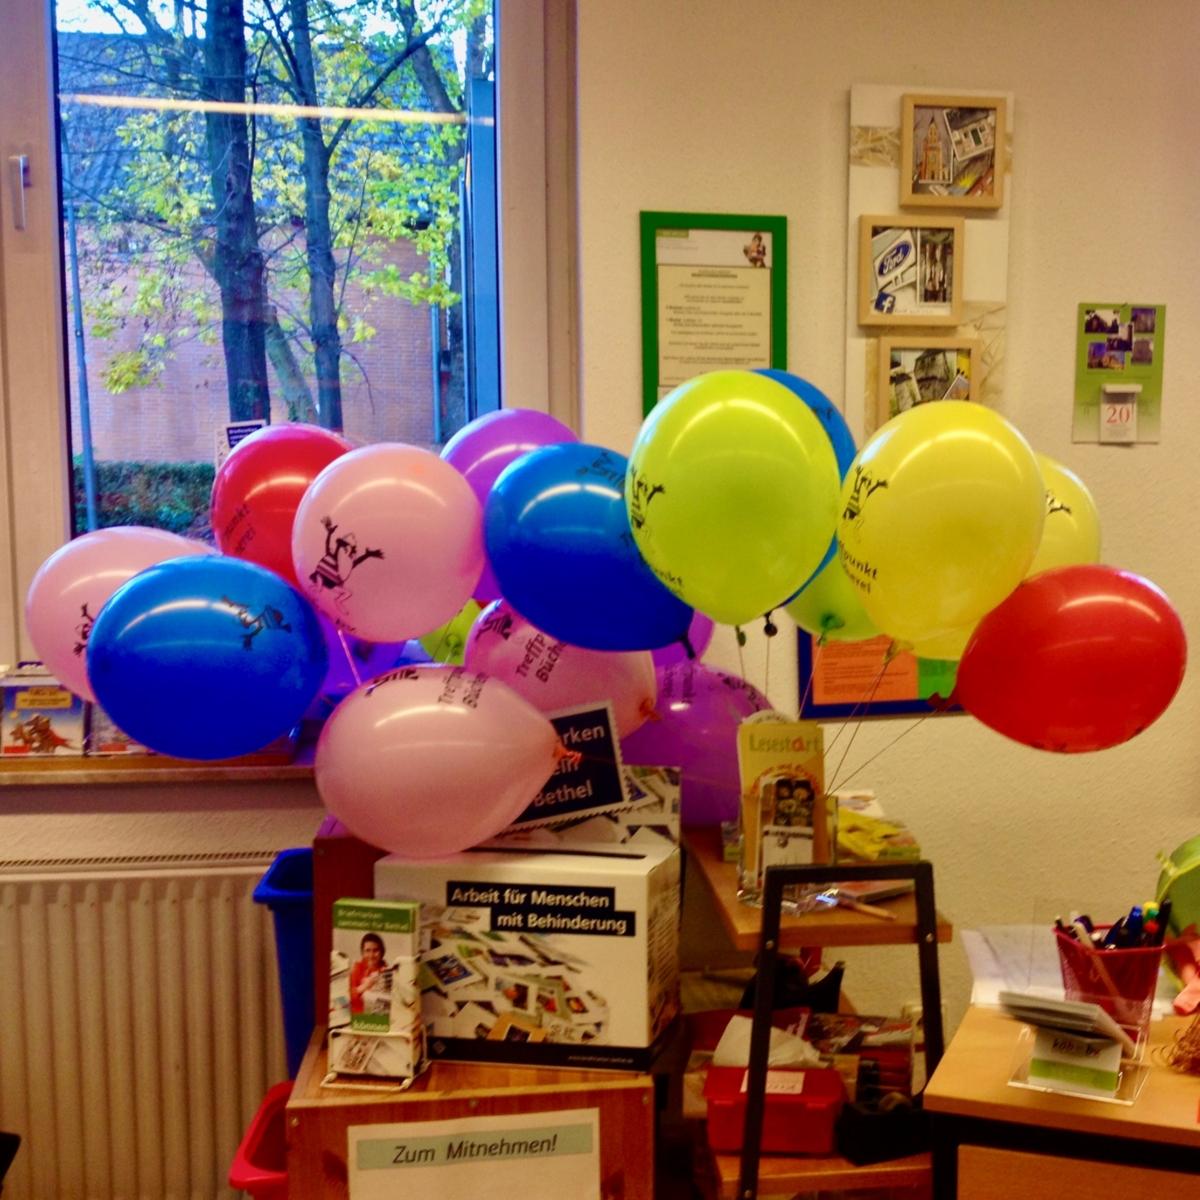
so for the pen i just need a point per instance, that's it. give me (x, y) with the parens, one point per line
(872, 910)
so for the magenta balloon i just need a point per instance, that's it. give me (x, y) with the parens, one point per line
(483, 448)
(427, 761)
(700, 635)
(699, 710)
(554, 675)
(74, 583)
(388, 541)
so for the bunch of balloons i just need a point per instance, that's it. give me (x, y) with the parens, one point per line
(539, 573)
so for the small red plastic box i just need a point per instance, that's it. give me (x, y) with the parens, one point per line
(794, 1122)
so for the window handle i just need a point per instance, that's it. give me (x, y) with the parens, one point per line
(18, 181)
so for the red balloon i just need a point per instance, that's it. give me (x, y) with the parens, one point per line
(259, 487)
(1076, 658)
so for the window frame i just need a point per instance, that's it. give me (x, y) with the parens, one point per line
(535, 77)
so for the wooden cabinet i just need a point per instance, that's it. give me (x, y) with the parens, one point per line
(779, 1176)
(317, 1118)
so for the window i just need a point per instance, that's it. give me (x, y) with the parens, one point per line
(233, 258)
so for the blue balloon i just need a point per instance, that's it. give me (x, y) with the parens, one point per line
(558, 539)
(206, 657)
(831, 420)
(840, 437)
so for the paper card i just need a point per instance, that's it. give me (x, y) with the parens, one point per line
(589, 780)
(781, 1083)
(1069, 1062)
(538, 1156)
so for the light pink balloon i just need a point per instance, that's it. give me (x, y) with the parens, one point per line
(388, 541)
(554, 675)
(427, 761)
(75, 582)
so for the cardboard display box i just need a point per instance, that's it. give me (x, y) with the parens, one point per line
(40, 717)
(562, 958)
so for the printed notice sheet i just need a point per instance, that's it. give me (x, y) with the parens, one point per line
(714, 302)
(537, 1156)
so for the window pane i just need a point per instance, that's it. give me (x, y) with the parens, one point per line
(263, 220)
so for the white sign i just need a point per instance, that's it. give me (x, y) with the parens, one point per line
(1118, 412)
(537, 1156)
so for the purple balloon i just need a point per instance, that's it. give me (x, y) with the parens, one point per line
(482, 449)
(699, 710)
(699, 634)
(354, 660)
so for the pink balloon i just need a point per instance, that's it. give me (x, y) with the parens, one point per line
(699, 710)
(485, 446)
(388, 541)
(74, 583)
(554, 675)
(426, 761)
(700, 635)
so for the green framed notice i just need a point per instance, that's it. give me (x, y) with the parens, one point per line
(1119, 372)
(714, 296)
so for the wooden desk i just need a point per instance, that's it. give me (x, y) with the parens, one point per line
(829, 927)
(318, 1118)
(995, 1140)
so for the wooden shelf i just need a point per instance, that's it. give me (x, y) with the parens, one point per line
(780, 1176)
(147, 768)
(831, 927)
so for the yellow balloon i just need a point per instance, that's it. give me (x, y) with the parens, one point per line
(446, 643)
(947, 647)
(732, 493)
(942, 513)
(1072, 531)
(830, 608)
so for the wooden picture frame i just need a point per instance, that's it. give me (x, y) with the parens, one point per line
(952, 151)
(926, 369)
(910, 270)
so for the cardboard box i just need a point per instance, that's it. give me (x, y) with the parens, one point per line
(105, 739)
(566, 958)
(40, 718)
(373, 966)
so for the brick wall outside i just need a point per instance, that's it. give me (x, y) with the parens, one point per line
(175, 418)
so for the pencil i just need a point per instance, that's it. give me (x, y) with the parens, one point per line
(872, 910)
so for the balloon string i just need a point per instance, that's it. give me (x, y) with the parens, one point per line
(904, 733)
(741, 642)
(867, 697)
(767, 671)
(818, 646)
(349, 656)
(858, 724)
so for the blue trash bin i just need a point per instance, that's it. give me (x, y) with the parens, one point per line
(287, 890)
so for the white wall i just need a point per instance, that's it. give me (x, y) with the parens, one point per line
(706, 105)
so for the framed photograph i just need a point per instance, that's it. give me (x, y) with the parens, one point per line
(714, 296)
(916, 370)
(952, 151)
(910, 270)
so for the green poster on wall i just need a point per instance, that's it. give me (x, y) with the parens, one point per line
(1119, 372)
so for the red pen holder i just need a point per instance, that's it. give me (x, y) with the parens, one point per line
(1122, 982)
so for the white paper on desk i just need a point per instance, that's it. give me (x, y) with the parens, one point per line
(786, 1049)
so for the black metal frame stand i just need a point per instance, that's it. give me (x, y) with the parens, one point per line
(779, 878)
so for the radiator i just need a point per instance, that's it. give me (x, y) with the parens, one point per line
(140, 1024)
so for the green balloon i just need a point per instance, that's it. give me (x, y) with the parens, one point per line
(446, 643)
(829, 607)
